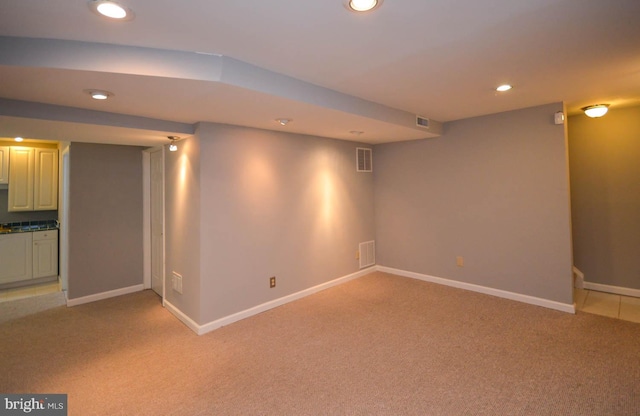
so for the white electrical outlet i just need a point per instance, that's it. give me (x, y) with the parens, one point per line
(176, 282)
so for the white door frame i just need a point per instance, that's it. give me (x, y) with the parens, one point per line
(146, 219)
(63, 214)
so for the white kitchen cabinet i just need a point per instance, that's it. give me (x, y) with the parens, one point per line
(16, 259)
(21, 170)
(4, 164)
(45, 181)
(45, 253)
(33, 179)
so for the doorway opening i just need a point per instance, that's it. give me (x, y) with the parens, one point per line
(153, 160)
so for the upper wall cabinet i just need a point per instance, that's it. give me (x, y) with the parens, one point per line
(33, 179)
(4, 164)
(45, 185)
(21, 170)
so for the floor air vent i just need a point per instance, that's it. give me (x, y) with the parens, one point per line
(367, 254)
(364, 162)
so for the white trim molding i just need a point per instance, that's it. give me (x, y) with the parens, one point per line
(146, 219)
(532, 300)
(190, 323)
(617, 290)
(104, 295)
(218, 323)
(578, 278)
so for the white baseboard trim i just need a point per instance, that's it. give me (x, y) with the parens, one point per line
(104, 295)
(218, 323)
(617, 290)
(190, 323)
(532, 300)
(578, 278)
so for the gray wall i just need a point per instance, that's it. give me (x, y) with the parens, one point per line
(493, 189)
(183, 223)
(105, 218)
(604, 155)
(271, 204)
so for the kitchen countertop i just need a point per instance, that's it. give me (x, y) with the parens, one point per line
(28, 226)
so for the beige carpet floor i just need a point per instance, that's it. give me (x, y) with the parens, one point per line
(378, 345)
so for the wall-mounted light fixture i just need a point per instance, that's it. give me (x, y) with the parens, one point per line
(173, 146)
(596, 110)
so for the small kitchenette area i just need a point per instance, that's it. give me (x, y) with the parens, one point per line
(29, 227)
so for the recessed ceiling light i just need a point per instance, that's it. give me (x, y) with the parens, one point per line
(356, 132)
(362, 5)
(18, 139)
(597, 110)
(99, 94)
(111, 9)
(504, 87)
(283, 121)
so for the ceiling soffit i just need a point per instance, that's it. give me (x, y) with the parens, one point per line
(189, 66)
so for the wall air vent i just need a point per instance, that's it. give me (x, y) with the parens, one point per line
(422, 122)
(367, 254)
(364, 161)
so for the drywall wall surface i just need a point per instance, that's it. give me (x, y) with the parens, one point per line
(105, 218)
(604, 156)
(277, 204)
(183, 223)
(493, 190)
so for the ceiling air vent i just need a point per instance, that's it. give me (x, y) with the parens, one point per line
(422, 122)
(363, 160)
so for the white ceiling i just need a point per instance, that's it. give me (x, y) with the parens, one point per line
(330, 70)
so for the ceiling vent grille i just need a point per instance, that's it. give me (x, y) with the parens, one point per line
(422, 122)
(367, 254)
(364, 161)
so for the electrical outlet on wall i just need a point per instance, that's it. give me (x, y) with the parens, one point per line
(459, 261)
(272, 282)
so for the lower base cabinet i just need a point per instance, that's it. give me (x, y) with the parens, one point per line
(31, 255)
(45, 253)
(16, 259)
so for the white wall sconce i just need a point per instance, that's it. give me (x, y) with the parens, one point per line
(173, 147)
(595, 111)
